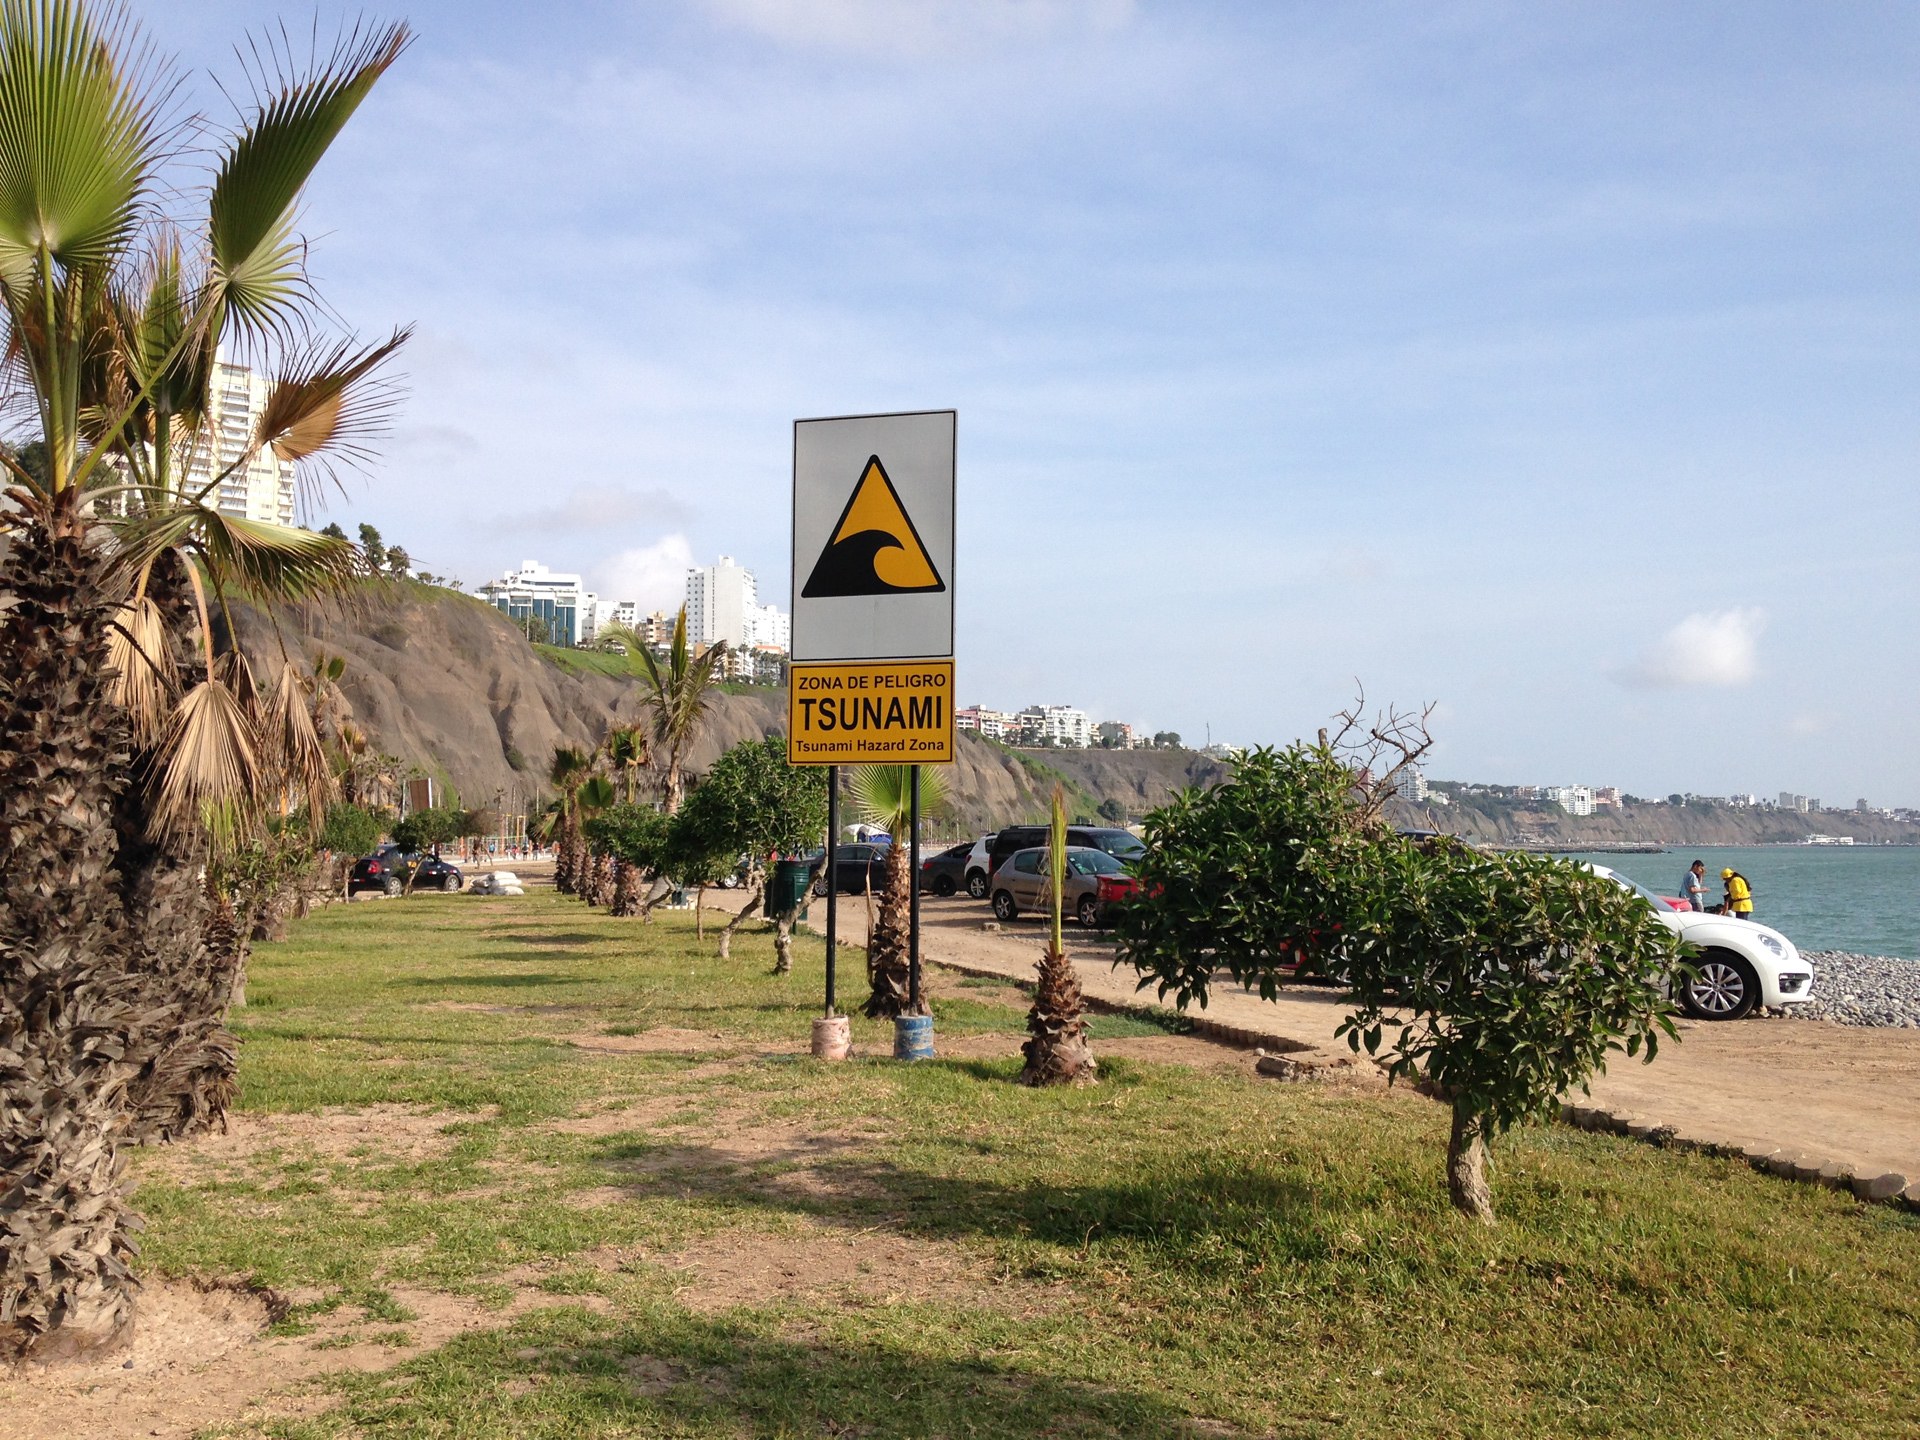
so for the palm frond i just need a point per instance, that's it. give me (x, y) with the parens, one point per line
(883, 795)
(268, 561)
(207, 757)
(328, 405)
(258, 264)
(568, 767)
(144, 675)
(291, 742)
(78, 112)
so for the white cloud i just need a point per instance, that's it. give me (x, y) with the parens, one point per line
(1712, 648)
(655, 575)
(920, 30)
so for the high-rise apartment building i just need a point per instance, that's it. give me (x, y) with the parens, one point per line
(1410, 784)
(264, 487)
(723, 606)
(720, 599)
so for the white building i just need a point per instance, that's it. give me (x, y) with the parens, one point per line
(769, 627)
(1574, 799)
(263, 488)
(559, 602)
(1411, 784)
(720, 601)
(1057, 725)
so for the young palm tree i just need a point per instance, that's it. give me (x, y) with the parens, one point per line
(100, 920)
(570, 768)
(673, 696)
(883, 796)
(1056, 1051)
(593, 866)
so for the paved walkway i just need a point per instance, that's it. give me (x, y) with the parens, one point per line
(1847, 1093)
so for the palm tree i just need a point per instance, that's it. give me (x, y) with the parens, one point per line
(1056, 1051)
(110, 751)
(593, 867)
(570, 768)
(883, 796)
(626, 753)
(674, 696)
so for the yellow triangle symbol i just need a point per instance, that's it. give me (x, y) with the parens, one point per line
(874, 550)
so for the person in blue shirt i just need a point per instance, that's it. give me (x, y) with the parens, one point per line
(1693, 885)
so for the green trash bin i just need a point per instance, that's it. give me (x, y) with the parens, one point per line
(787, 887)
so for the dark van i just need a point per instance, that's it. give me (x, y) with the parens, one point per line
(1121, 844)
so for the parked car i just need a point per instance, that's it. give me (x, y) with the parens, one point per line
(1094, 881)
(944, 872)
(1741, 964)
(389, 868)
(1122, 844)
(855, 867)
(977, 867)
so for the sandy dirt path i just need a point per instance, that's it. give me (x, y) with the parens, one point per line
(1847, 1093)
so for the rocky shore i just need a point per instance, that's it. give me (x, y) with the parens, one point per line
(1862, 990)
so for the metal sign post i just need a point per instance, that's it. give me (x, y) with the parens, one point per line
(871, 676)
(833, 877)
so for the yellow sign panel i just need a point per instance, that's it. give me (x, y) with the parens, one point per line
(875, 549)
(862, 712)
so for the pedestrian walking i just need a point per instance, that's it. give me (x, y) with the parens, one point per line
(1739, 899)
(1693, 885)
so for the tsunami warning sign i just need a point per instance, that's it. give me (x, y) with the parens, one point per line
(863, 712)
(871, 674)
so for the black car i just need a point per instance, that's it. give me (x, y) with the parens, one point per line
(1121, 844)
(945, 871)
(389, 868)
(855, 867)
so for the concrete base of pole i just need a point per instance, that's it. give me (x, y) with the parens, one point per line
(832, 1038)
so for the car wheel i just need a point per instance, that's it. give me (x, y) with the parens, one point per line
(451, 884)
(820, 889)
(391, 885)
(977, 885)
(943, 886)
(1723, 987)
(1089, 913)
(1003, 906)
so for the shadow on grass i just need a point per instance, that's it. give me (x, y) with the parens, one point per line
(565, 937)
(666, 1371)
(830, 1181)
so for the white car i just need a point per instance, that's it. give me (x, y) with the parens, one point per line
(1741, 964)
(978, 866)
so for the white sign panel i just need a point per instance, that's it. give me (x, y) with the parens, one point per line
(873, 537)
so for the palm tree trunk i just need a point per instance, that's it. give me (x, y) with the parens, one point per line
(600, 879)
(186, 981)
(1057, 1051)
(699, 916)
(66, 994)
(888, 963)
(626, 891)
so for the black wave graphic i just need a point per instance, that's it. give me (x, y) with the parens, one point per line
(846, 568)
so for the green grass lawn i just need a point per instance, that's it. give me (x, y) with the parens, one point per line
(1180, 1251)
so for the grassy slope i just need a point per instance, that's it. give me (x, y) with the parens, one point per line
(1275, 1258)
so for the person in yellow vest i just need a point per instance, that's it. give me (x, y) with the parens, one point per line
(1739, 901)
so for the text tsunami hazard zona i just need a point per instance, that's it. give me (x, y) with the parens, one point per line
(862, 712)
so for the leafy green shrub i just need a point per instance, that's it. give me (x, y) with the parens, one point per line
(1505, 980)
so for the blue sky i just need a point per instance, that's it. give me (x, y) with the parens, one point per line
(1553, 363)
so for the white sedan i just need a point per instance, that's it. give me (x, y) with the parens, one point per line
(1741, 964)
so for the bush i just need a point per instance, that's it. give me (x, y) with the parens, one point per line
(1505, 980)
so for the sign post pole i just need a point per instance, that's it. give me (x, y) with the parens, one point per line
(914, 1003)
(833, 877)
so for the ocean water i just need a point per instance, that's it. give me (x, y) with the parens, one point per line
(1862, 898)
